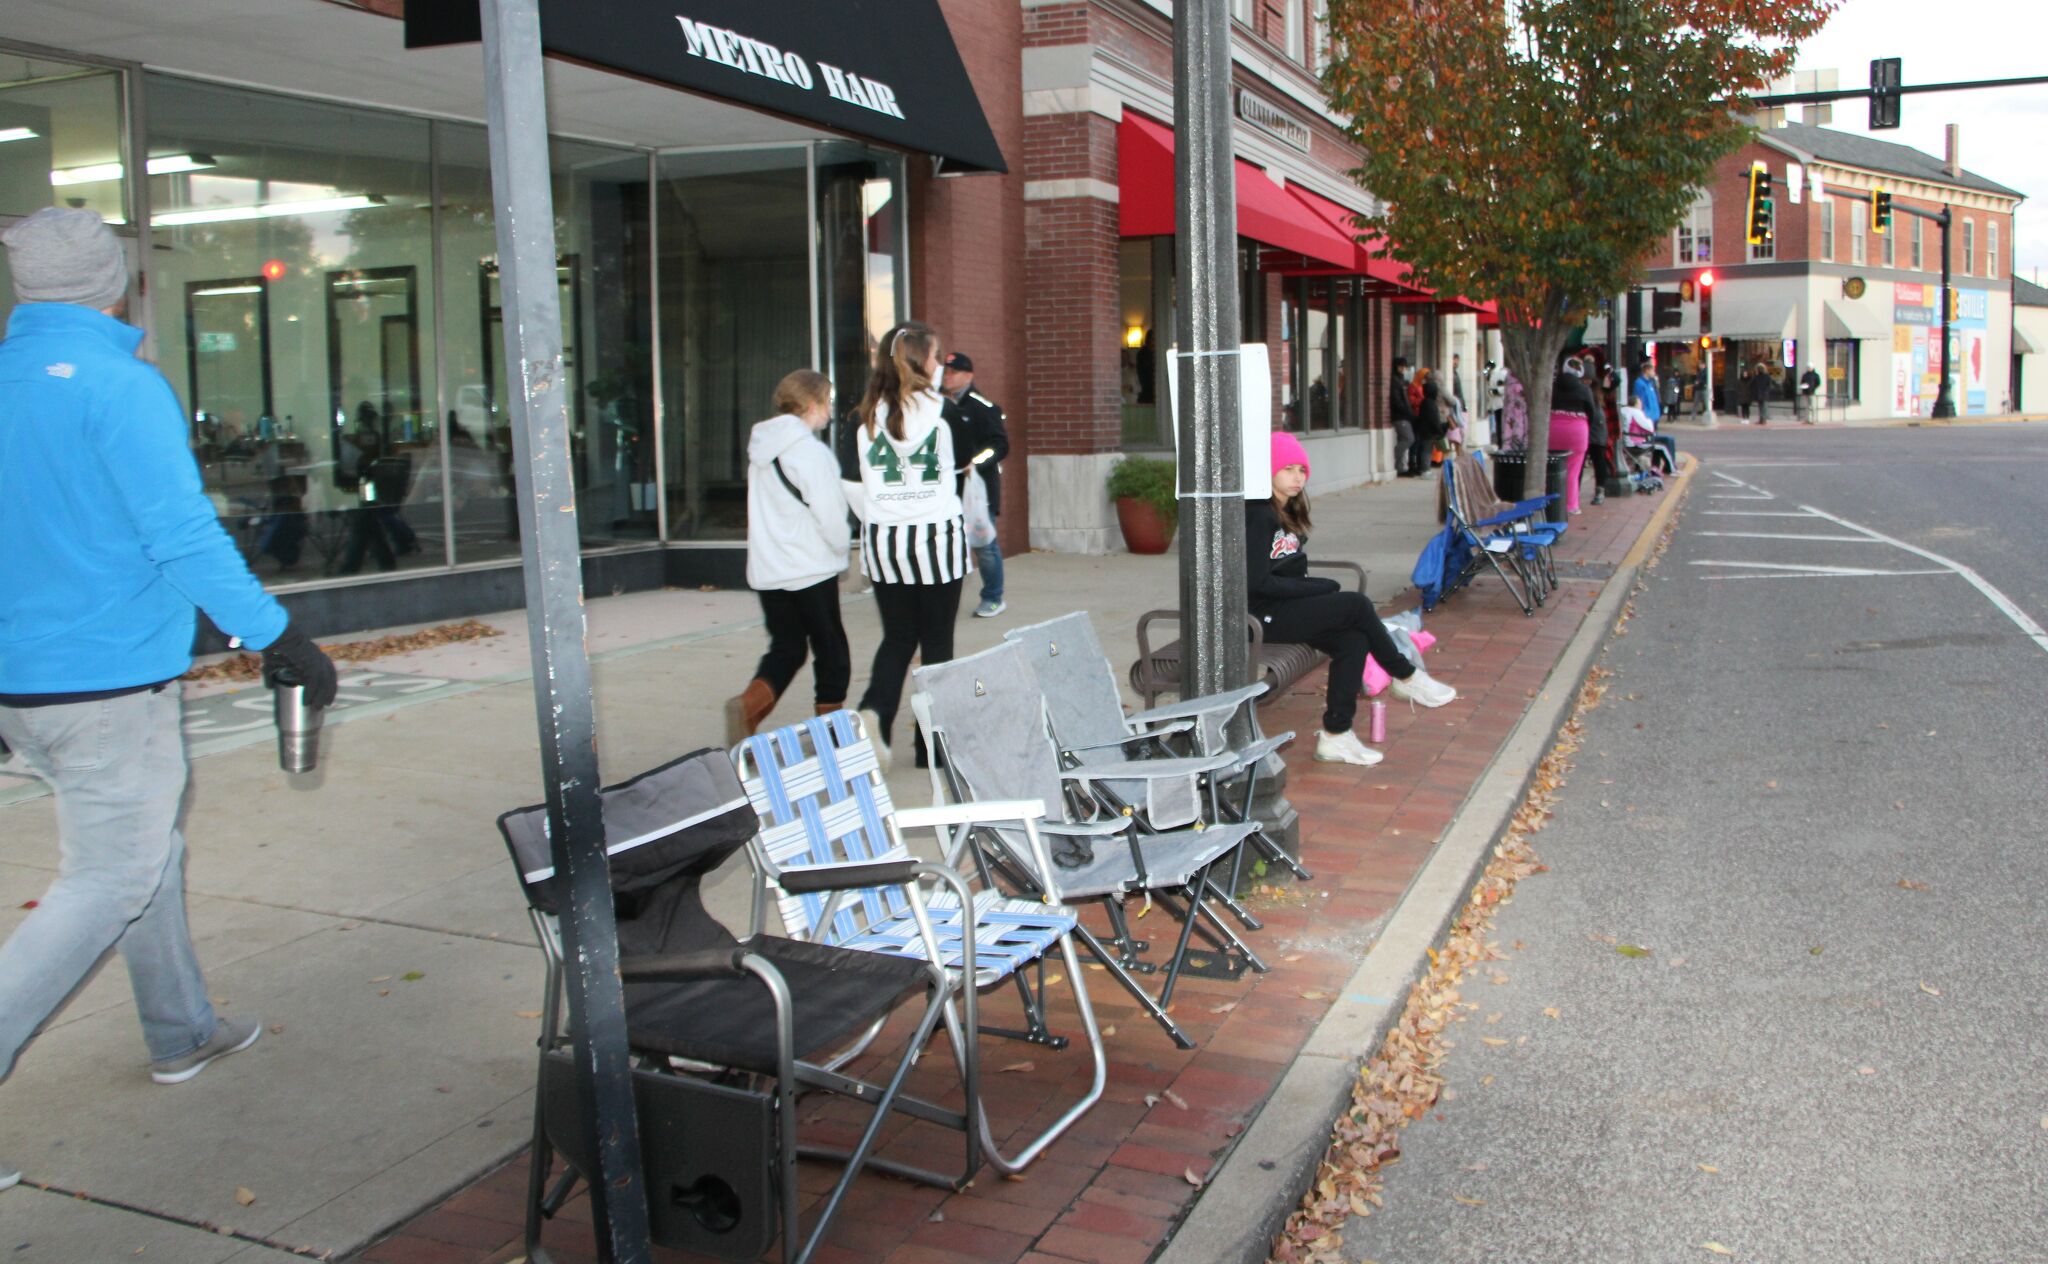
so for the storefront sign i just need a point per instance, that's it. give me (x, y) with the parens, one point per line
(894, 77)
(1272, 120)
(1902, 314)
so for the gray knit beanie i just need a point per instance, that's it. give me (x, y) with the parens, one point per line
(64, 255)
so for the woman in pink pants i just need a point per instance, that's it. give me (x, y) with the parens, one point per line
(1571, 411)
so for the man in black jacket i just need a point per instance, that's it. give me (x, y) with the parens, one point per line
(1403, 414)
(979, 443)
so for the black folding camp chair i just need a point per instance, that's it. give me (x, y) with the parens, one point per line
(724, 1032)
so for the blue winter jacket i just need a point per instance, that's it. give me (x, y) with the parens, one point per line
(107, 543)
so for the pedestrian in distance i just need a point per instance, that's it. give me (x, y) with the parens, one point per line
(1809, 392)
(1294, 607)
(796, 548)
(112, 547)
(1430, 426)
(1601, 427)
(1403, 415)
(1571, 421)
(1760, 391)
(913, 543)
(980, 443)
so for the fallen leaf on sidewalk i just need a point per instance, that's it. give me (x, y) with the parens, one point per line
(1708, 1168)
(1469, 1202)
(1109, 1031)
(1770, 785)
(1292, 956)
(1907, 884)
(1553, 1012)
(1485, 1080)
(1495, 1041)
(1630, 950)
(1716, 1248)
(526, 1013)
(244, 1197)
(412, 976)
(1224, 1008)
(1175, 1098)
(1864, 1070)
(1493, 1018)
(1192, 1177)
(29, 904)
(1931, 991)
(1315, 996)
(1026, 1065)
(382, 978)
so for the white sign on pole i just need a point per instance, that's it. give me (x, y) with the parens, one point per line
(1795, 176)
(1254, 417)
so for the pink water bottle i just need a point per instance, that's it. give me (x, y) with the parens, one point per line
(1378, 726)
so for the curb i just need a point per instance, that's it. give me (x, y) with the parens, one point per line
(1259, 1180)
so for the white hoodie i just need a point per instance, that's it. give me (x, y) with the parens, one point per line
(791, 544)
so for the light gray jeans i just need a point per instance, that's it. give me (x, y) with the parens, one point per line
(118, 769)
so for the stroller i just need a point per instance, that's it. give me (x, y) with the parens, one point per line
(1648, 461)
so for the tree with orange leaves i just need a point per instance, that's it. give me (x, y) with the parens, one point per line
(1532, 152)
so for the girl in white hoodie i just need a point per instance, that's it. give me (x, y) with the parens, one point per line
(913, 543)
(796, 548)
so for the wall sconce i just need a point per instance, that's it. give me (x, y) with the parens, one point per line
(1134, 337)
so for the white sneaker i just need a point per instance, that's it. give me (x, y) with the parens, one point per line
(1345, 748)
(1425, 690)
(871, 724)
(10, 1175)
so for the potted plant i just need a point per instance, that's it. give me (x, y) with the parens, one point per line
(1142, 487)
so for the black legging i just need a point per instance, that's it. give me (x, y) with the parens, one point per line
(806, 616)
(917, 619)
(1601, 458)
(1346, 627)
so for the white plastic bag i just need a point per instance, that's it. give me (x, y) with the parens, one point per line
(981, 525)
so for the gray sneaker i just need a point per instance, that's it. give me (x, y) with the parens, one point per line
(228, 1037)
(990, 609)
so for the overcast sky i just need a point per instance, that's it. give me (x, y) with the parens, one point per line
(1942, 41)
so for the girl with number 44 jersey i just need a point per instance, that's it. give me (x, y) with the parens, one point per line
(913, 543)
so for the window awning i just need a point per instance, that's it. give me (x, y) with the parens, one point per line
(1391, 274)
(1754, 317)
(899, 81)
(2021, 344)
(1834, 326)
(1265, 212)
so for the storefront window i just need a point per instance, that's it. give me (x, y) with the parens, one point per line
(1843, 375)
(1140, 388)
(60, 143)
(600, 202)
(291, 318)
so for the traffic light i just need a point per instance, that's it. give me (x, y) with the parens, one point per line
(1664, 310)
(1706, 290)
(1885, 78)
(1880, 211)
(1954, 303)
(1706, 342)
(1759, 204)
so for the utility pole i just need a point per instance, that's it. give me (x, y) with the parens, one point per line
(1944, 399)
(521, 190)
(1206, 330)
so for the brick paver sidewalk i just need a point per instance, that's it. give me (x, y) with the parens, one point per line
(1112, 1189)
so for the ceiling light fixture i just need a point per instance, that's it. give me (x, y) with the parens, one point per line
(17, 133)
(162, 165)
(266, 210)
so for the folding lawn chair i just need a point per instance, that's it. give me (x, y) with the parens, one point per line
(1088, 721)
(1510, 538)
(724, 1032)
(825, 808)
(984, 721)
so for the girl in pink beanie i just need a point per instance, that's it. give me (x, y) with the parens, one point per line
(1295, 608)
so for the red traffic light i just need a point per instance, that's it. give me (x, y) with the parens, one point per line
(273, 269)
(1707, 279)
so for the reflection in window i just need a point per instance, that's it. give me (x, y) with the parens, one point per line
(861, 293)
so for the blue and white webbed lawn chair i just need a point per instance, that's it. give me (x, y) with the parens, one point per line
(1151, 761)
(825, 810)
(984, 719)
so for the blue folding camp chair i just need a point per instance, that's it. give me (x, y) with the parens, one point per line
(1513, 539)
(825, 810)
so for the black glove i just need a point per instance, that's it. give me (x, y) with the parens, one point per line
(293, 654)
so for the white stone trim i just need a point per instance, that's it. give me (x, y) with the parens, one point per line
(1091, 98)
(1054, 190)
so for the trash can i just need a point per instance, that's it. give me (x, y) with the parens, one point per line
(1507, 479)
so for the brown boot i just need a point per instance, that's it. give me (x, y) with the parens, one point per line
(745, 711)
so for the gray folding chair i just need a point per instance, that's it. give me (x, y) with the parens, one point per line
(1179, 741)
(984, 721)
(826, 810)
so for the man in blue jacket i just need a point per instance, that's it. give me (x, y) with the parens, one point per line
(108, 548)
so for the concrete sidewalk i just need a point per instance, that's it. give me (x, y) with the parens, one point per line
(368, 914)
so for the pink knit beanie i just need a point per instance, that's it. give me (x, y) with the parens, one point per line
(1287, 450)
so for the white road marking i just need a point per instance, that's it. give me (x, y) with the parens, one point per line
(1789, 535)
(1769, 465)
(1825, 575)
(2035, 632)
(1753, 513)
(1809, 568)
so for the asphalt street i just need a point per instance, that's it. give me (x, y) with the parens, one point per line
(1816, 797)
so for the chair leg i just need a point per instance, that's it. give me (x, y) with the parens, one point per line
(1111, 963)
(538, 1210)
(1009, 1164)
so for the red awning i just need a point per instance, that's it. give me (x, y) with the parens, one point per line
(1363, 262)
(1265, 213)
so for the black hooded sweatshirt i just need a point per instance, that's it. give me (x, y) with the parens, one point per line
(1276, 567)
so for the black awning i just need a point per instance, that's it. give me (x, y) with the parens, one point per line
(885, 70)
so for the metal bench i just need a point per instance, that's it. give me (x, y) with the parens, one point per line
(1157, 671)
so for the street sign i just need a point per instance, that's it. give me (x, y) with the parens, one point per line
(1795, 177)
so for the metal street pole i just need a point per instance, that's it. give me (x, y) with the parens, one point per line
(516, 108)
(1944, 399)
(1206, 328)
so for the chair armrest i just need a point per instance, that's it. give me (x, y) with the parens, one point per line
(1086, 829)
(1145, 622)
(1148, 769)
(874, 873)
(974, 812)
(1353, 567)
(1229, 700)
(683, 967)
(1168, 730)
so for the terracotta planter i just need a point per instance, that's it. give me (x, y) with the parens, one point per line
(1146, 530)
